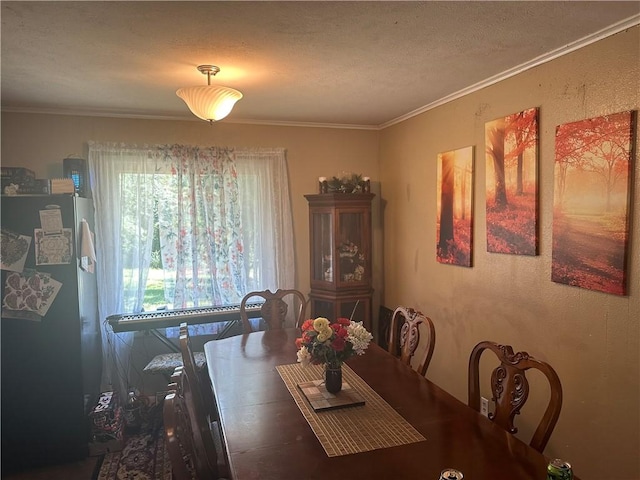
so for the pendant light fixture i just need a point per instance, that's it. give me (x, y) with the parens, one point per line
(209, 102)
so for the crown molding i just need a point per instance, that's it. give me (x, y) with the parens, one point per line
(540, 60)
(190, 118)
(547, 57)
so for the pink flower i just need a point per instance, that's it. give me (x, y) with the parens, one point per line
(307, 325)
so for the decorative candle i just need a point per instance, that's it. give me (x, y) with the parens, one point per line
(322, 184)
(367, 184)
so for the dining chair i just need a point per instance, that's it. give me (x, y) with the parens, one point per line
(510, 389)
(405, 335)
(166, 363)
(274, 309)
(204, 399)
(199, 378)
(385, 314)
(192, 449)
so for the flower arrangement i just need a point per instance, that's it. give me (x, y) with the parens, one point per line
(346, 183)
(323, 342)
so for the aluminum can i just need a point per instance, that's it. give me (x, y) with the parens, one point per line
(451, 474)
(558, 469)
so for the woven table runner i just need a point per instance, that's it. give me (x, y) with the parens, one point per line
(349, 430)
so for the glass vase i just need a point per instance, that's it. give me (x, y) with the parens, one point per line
(333, 378)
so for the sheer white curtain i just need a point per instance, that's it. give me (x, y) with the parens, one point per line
(224, 221)
(266, 207)
(124, 232)
(200, 227)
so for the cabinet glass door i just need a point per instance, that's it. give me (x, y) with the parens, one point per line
(322, 247)
(340, 255)
(352, 249)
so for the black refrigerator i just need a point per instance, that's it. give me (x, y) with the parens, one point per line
(51, 364)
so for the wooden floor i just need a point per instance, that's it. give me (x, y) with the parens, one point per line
(81, 470)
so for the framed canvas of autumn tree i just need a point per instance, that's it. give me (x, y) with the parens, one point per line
(511, 149)
(454, 207)
(593, 165)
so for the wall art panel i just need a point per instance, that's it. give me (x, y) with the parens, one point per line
(593, 168)
(454, 207)
(511, 149)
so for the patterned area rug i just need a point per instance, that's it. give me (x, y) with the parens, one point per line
(144, 456)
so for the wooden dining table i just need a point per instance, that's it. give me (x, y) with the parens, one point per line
(266, 436)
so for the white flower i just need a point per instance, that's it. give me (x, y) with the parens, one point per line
(359, 337)
(304, 357)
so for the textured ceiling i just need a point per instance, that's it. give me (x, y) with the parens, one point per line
(340, 63)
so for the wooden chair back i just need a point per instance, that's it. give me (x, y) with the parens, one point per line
(385, 314)
(192, 454)
(510, 389)
(275, 308)
(204, 402)
(198, 377)
(404, 338)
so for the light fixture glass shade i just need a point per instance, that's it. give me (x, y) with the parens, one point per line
(209, 102)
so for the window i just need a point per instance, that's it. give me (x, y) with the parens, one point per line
(219, 218)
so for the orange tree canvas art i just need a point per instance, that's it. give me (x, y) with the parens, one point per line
(511, 149)
(454, 206)
(592, 175)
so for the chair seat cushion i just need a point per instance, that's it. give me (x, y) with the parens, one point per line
(166, 363)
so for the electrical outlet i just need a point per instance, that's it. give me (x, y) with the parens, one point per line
(484, 406)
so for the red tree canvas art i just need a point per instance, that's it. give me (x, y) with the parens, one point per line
(591, 202)
(511, 149)
(454, 206)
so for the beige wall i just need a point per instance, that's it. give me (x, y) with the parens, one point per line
(41, 142)
(590, 338)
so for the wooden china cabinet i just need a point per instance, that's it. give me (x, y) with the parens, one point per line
(340, 241)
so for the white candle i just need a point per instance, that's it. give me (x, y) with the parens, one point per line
(366, 179)
(322, 179)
